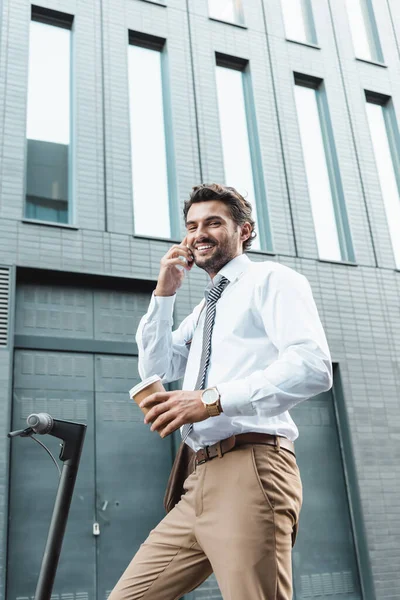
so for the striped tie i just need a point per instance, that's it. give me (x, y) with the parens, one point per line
(212, 299)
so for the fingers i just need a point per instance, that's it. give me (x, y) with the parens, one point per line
(153, 398)
(170, 410)
(165, 417)
(157, 410)
(179, 258)
(163, 420)
(170, 428)
(181, 250)
(181, 263)
(159, 423)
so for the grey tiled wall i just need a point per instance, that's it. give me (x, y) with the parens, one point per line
(359, 305)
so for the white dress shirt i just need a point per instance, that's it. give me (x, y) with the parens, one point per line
(269, 351)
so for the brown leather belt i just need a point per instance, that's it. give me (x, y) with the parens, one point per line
(224, 446)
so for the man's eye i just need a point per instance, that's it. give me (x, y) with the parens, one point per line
(215, 223)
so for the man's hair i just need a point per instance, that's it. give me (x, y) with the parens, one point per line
(239, 207)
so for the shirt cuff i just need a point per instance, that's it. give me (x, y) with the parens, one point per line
(235, 398)
(161, 308)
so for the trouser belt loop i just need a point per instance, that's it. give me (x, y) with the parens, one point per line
(277, 443)
(219, 450)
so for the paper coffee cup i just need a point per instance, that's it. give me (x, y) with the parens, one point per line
(145, 388)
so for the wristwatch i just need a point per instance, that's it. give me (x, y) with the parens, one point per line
(211, 400)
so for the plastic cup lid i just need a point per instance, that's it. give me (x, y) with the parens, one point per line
(140, 386)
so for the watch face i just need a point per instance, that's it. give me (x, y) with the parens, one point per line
(210, 396)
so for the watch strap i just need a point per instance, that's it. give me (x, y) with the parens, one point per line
(214, 409)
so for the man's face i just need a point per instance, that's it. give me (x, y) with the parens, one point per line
(212, 235)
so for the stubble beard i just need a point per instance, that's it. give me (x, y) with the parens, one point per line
(223, 253)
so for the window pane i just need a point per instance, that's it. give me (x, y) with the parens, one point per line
(148, 144)
(387, 174)
(227, 10)
(317, 173)
(360, 29)
(295, 17)
(48, 123)
(234, 134)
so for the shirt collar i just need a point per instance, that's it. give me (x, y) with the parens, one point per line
(232, 270)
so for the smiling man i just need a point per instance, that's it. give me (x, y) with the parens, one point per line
(250, 351)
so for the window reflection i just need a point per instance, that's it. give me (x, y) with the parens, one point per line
(234, 134)
(227, 10)
(379, 128)
(148, 143)
(298, 20)
(48, 123)
(317, 173)
(361, 24)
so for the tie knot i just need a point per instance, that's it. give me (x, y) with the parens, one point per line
(223, 283)
(216, 291)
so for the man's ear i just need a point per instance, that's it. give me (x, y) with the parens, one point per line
(246, 232)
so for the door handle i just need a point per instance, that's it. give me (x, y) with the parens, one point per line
(96, 529)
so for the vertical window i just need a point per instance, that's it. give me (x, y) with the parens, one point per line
(385, 142)
(364, 30)
(324, 184)
(227, 10)
(148, 139)
(299, 22)
(48, 127)
(241, 153)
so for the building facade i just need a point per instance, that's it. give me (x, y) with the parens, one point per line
(110, 111)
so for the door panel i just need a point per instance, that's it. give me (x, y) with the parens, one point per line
(62, 385)
(50, 310)
(117, 314)
(68, 371)
(129, 496)
(324, 558)
(132, 467)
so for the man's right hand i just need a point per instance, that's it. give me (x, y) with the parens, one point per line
(170, 277)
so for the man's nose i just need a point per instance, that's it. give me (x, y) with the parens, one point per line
(192, 237)
(201, 231)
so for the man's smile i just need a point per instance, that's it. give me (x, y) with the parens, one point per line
(204, 248)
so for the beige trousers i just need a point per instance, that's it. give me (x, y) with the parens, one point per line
(237, 518)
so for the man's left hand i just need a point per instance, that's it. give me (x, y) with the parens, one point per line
(174, 409)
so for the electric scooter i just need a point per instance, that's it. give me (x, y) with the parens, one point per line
(72, 436)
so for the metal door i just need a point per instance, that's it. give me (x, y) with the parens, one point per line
(120, 484)
(124, 468)
(324, 556)
(62, 385)
(132, 467)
